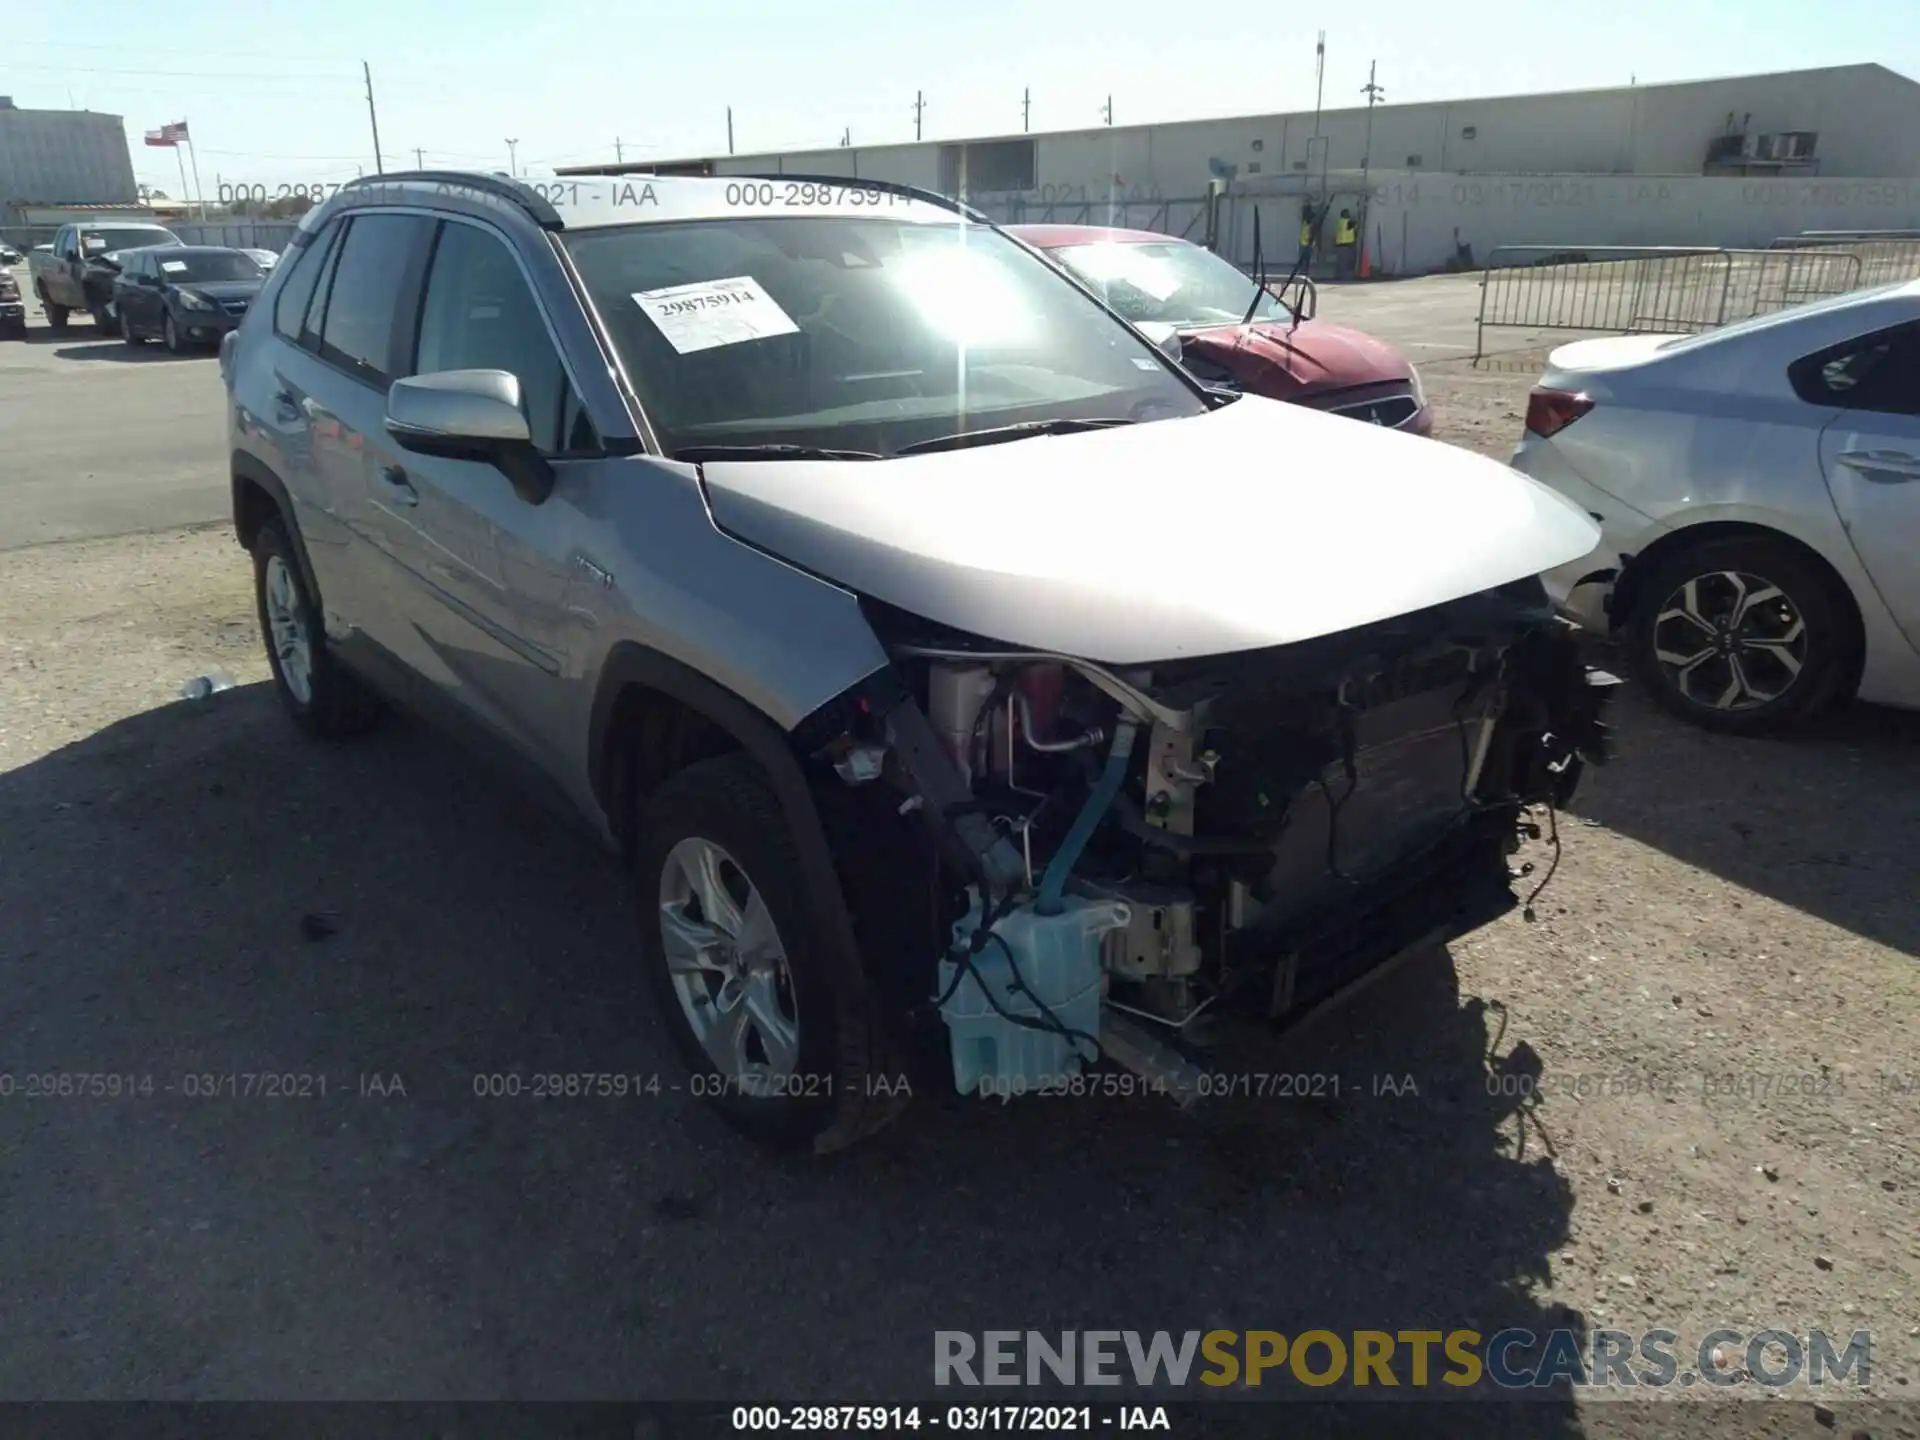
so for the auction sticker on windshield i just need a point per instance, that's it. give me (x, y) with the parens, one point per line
(173, 267)
(711, 313)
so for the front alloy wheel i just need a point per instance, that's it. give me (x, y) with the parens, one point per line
(1741, 634)
(728, 965)
(729, 945)
(170, 334)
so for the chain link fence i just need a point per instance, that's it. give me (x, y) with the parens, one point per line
(1647, 290)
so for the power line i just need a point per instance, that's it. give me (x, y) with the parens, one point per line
(276, 75)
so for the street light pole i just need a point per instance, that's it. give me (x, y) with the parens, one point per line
(513, 167)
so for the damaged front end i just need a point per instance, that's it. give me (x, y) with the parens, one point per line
(1077, 862)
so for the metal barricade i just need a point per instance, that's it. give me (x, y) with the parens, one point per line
(1649, 290)
(1886, 257)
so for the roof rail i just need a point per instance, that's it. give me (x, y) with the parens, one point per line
(914, 192)
(502, 186)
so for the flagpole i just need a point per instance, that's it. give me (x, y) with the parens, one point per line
(195, 155)
(184, 196)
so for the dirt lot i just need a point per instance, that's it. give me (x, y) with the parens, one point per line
(1720, 994)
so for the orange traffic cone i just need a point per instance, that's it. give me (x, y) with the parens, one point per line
(1366, 264)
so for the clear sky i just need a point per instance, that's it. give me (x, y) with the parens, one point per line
(273, 91)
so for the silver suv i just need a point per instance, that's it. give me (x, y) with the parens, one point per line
(973, 693)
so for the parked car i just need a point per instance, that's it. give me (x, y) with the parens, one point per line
(1161, 280)
(13, 310)
(816, 546)
(1758, 488)
(9, 255)
(184, 295)
(77, 272)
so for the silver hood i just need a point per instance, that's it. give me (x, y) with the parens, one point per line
(1256, 524)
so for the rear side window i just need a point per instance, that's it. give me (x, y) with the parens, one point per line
(1879, 372)
(378, 258)
(296, 291)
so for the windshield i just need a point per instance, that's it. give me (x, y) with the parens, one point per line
(858, 334)
(1170, 284)
(195, 268)
(100, 241)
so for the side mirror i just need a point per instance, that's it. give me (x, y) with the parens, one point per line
(1165, 338)
(470, 415)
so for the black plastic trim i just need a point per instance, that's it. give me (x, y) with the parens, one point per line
(250, 470)
(499, 186)
(866, 1045)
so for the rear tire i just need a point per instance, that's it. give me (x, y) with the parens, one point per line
(323, 699)
(722, 814)
(1742, 635)
(56, 315)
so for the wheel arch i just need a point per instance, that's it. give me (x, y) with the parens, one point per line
(258, 496)
(1629, 590)
(643, 699)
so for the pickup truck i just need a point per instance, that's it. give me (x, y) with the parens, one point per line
(77, 274)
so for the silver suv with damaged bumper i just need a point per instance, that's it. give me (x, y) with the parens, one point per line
(967, 686)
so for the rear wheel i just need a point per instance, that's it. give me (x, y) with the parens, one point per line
(323, 699)
(1743, 635)
(56, 314)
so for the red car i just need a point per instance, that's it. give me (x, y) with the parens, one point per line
(1160, 281)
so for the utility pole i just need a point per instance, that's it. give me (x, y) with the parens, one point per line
(1375, 93)
(419, 158)
(619, 155)
(1107, 110)
(919, 106)
(1319, 87)
(1026, 109)
(729, 129)
(846, 137)
(373, 117)
(513, 166)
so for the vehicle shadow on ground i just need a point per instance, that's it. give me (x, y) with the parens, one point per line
(1824, 821)
(199, 898)
(120, 353)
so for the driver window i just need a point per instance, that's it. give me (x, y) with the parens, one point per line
(480, 314)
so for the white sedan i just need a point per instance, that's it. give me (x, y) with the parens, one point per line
(1758, 492)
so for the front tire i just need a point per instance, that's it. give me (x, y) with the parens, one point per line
(170, 335)
(323, 699)
(1742, 635)
(731, 954)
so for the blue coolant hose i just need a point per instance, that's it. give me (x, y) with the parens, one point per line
(1054, 883)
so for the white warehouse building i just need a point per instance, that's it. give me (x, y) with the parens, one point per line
(62, 157)
(1735, 161)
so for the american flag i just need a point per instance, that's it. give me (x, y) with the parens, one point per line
(169, 135)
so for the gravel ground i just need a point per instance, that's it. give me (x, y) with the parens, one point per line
(1718, 996)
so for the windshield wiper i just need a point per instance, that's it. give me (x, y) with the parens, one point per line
(769, 452)
(1021, 431)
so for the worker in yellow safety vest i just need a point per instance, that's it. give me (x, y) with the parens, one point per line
(1306, 236)
(1346, 245)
